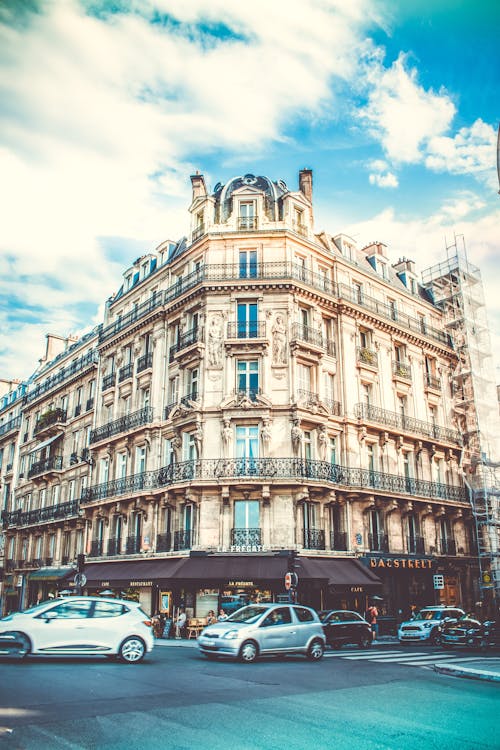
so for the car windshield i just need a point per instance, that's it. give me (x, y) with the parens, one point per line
(428, 614)
(247, 614)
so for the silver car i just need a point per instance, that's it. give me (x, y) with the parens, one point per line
(262, 629)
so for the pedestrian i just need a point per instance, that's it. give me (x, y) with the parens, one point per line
(222, 615)
(211, 618)
(180, 623)
(371, 618)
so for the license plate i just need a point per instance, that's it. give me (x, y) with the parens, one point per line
(209, 645)
(452, 637)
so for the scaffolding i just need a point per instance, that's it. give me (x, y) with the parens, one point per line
(456, 287)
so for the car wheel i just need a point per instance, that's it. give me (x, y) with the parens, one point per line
(248, 652)
(132, 650)
(435, 638)
(315, 651)
(365, 641)
(24, 645)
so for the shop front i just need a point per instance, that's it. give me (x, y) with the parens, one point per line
(47, 583)
(336, 583)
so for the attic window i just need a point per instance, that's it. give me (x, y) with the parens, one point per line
(247, 218)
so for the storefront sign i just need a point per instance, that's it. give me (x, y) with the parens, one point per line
(137, 584)
(242, 584)
(400, 562)
(246, 548)
(356, 589)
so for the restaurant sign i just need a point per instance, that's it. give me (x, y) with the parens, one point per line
(414, 563)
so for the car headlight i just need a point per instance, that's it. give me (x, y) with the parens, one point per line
(230, 635)
(428, 624)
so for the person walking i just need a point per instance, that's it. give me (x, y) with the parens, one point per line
(372, 620)
(180, 623)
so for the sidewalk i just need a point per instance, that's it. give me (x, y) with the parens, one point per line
(482, 669)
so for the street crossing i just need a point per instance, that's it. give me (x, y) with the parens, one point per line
(393, 656)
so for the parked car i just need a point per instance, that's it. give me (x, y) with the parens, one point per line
(455, 632)
(426, 624)
(265, 629)
(487, 635)
(232, 604)
(341, 626)
(79, 625)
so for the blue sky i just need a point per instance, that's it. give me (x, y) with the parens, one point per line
(106, 108)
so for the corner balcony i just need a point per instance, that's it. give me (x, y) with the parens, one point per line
(50, 421)
(123, 424)
(46, 466)
(253, 329)
(401, 422)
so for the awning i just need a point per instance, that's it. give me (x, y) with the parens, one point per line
(50, 574)
(337, 572)
(108, 573)
(45, 443)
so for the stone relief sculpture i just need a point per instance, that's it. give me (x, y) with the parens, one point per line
(296, 434)
(214, 344)
(227, 433)
(322, 442)
(198, 438)
(279, 341)
(265, 434)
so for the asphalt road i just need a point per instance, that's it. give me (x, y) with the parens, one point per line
(177, 700)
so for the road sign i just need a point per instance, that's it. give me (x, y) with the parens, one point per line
(80, 579)
(486, 577)
(288, 581)
(438, 582)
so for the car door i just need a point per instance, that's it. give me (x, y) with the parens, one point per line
(334, 628)
(354, 627)
(109, 625)
(277, 632)
(65, 627)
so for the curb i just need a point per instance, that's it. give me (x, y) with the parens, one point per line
(472, 674)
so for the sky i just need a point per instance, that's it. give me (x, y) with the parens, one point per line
(107, 108)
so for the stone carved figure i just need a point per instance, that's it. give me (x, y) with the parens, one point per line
(227, 433)
(176, 443)
(296, 434)
(265, 434)
(322, 442)
(198, 438)
(279, 341)
(215, 342)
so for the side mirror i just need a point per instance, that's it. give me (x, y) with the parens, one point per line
(50, 616)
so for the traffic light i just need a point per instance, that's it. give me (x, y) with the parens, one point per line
(80, 562)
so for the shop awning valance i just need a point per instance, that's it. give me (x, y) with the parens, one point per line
(337, 572)
(44, 444)
(50, 574)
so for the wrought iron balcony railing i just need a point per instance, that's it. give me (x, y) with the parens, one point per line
(378, 542)
(90, 404)
(198, 232)
(301, 332)
(300, 228)
(74, 368)
(331, 348)
(114, 546)
(314, 539)
(145, 362)
(415, 545)
(246, 223)
(78, 410)
(12, 424)
(246, 537)
(54, 463)
(125, 372)
(407, 424)
(141, 311)
(164, 542)
(447, 546)
(338, 541)
(188, 338)
(97, 548)
(108, 381)
(183, 539)
(323, 472)
(123, 424)
(431, 381)
(192, 396)
(49, 419)
(133, 545)
(252, 329)
(401, 370)
(366, 356)
(334, 407)
(247, 393)
(40, 515)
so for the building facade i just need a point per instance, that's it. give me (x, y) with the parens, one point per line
(258, 390)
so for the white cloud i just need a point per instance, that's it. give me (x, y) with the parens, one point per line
(470, 151)
(383, 179)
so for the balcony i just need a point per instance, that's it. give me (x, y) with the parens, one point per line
(273, 469)
(183, 539)
(90, 404)
(41, 515)
(406, 424)
(185, 340)
(307, 334)
(401, 370)
(78, 410)
(12, 424)
(198, 232)
(378, 542)
(189, 397)
(123, 424)
(50, 421)
(246, 394)
(432, 382)
(78, 366)
(314, 539)
(108, 381)
(164, 542)
(245, 538)
(448, 547)
(137, 313)
(415, 545)
(47, 465)
(300, 228)
(254, 329)
(114, 546)
(133, 545)
(366, 357)
(9, 565)
(96, 548)
(145, 362)
(338, 541)
(126, 372)
(247, 223)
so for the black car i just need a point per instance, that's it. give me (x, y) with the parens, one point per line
(487, 635)
(456, 632)
(341, 626)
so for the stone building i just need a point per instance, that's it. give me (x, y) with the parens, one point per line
(263, 390)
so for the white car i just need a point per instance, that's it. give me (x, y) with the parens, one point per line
(426, 625)
(79, 625)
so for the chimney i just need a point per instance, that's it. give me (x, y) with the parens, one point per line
(306, 188)
(199, 187)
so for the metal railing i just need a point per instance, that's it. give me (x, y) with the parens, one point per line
(378, 542)
(247, 223)
(50, 418)
(183, 539)
(90, 404)
(246, 537)
(408, 424)
(12, 424)
(415, 545)
(97, 548)
(302, 332)
(188, 338)
(144, 362)
(254, 329)
(198, 232)
(54, 463)
(114, 546)
(338, 541)
(164, 542)
(123, 424)
(447, 546)
(249, 393)
(131, 317)
(401, 370)
(125, 372)
(108, 381)
(40, 515)
(215, 469)
(431, 381)
(314, 539)
(366, 356)
(133, 545)
(52, 381)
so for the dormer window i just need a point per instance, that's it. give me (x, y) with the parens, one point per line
(199, 226)
(298, 221)
(247, 215)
